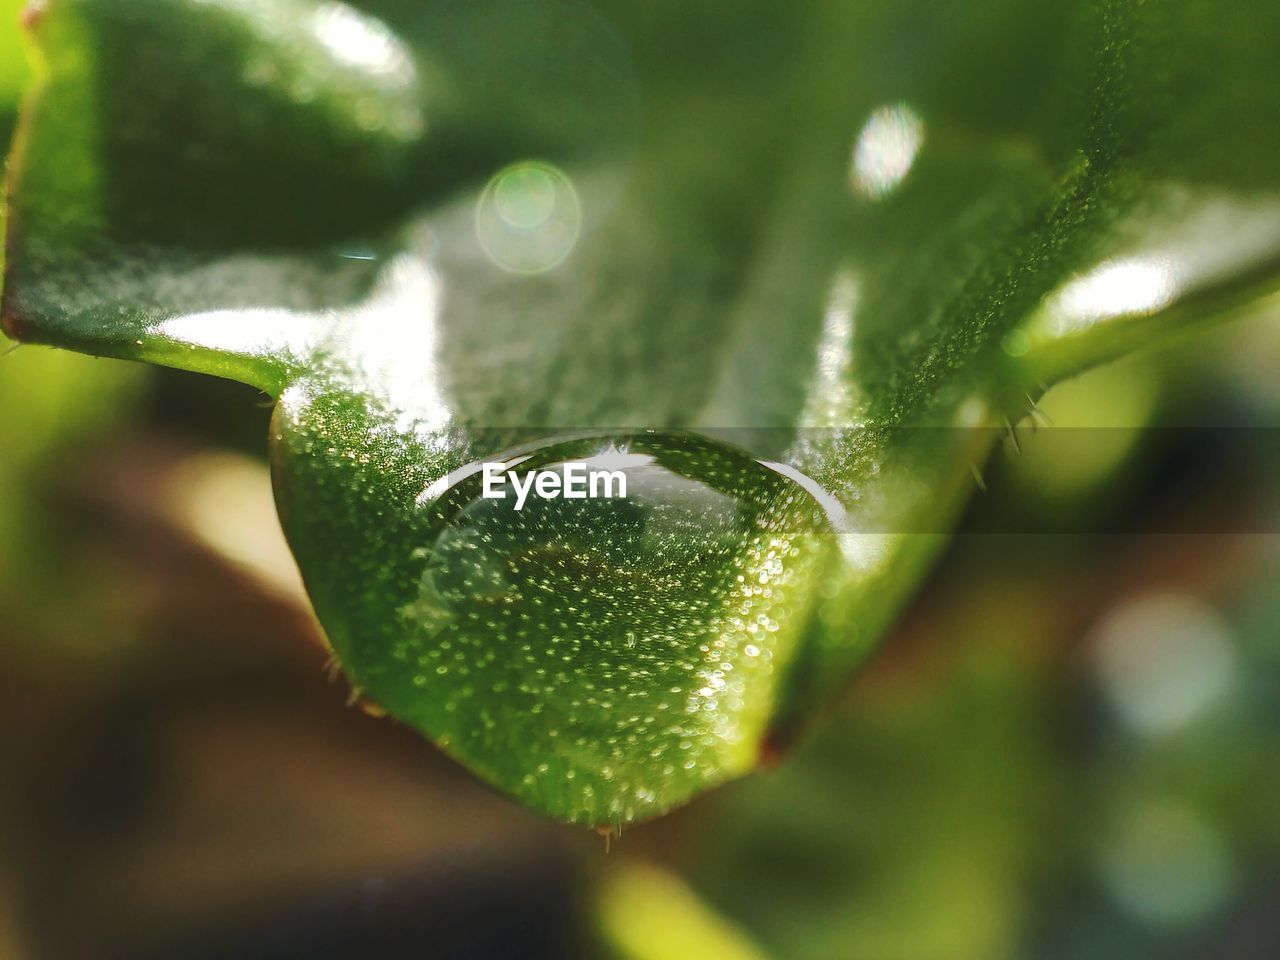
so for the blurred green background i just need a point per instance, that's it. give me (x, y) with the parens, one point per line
(1069, 748)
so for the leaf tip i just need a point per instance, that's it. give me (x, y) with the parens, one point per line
(32, 14)
(13, 326)
(607, 833)
(772, 749)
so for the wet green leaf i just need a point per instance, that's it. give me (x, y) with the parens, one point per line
(788, 267)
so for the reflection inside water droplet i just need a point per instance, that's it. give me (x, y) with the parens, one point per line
(687, 505)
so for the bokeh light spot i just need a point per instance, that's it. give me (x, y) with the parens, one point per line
(1131, 287)
(886, 150)
(1167, 865)
(529, 217)
(1163, 660)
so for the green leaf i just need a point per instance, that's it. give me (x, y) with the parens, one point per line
(789, 266)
